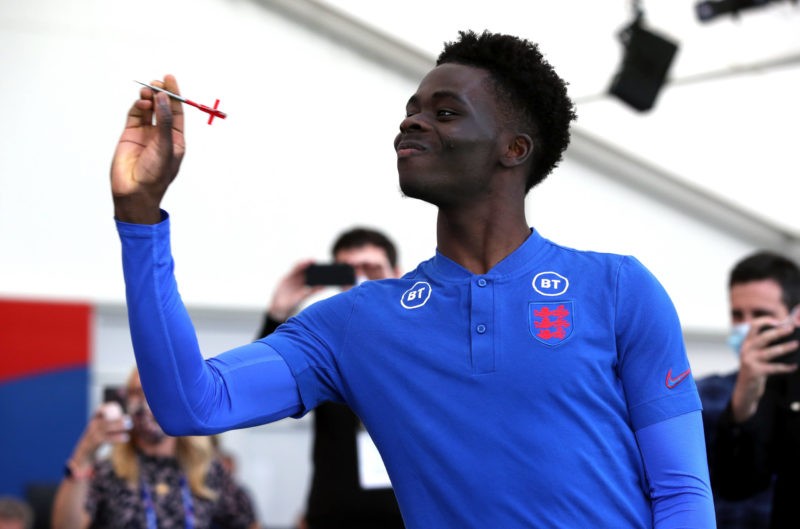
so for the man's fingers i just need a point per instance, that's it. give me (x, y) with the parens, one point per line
(171, 84)
(777, 368)
(140, 114)
(777, 350)
(300, 268)
(164, 122)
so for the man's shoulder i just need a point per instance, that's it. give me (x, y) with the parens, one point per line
(599, 263)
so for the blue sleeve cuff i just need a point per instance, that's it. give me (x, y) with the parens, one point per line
(674, 456)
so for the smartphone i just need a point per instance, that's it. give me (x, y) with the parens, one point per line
(330, 274)
(792, 357)
(115, 394)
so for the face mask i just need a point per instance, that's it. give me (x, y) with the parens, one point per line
(737, 336)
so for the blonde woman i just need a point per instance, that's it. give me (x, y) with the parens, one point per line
(149, 481)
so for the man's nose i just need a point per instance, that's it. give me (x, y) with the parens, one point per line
(413, 122)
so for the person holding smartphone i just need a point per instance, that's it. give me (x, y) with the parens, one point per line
(757, 445)
(149, 480)
(340, 497)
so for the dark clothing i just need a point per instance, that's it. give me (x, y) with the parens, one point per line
(114, 504)
(764, 450)
(750, 513)
(336, 499)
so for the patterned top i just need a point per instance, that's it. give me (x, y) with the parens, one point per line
(112, 503)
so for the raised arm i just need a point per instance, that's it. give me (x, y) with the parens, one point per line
(188, 395)
(148, 155)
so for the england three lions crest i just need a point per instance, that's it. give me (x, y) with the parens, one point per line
(551, 323)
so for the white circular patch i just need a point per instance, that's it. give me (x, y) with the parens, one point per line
(550, 283)
(416, 296)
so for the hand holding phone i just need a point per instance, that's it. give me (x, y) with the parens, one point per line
(791, 357)
(114, 414)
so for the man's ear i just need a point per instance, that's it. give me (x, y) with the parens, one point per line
(518, 150)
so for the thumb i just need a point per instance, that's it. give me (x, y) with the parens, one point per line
(164, 120)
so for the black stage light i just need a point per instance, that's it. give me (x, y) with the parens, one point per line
(646, 61)
(710, 9)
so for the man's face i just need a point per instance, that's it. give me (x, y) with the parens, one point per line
(451, 139)
(756, 298)
(369, 261)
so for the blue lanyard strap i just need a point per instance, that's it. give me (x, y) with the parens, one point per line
(150, 508)
(188, 505)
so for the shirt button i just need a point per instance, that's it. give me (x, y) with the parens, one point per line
(481, 282)
(481, 328)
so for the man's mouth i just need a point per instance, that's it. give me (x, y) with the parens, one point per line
(407, 148)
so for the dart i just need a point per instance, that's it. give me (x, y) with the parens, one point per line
(212, 112)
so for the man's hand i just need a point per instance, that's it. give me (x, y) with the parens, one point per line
(291, 292)
(756, 364)
(148, 155)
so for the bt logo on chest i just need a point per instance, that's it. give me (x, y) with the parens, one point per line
(550, 283)
(416, 296)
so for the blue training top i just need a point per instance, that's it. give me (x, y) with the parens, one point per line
(553, 391)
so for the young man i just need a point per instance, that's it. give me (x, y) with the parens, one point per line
(347, 486)
(508, 382)
(757, 432)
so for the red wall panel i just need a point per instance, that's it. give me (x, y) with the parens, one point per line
(42, 337)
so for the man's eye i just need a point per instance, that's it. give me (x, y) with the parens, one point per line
(444, 112)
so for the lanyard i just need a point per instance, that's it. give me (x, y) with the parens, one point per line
(150, 508)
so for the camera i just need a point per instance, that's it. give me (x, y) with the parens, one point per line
(339, 274)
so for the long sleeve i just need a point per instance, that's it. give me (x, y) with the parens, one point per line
(674, 457)
(246, 386)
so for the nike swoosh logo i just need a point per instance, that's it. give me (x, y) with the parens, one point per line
(672, 382)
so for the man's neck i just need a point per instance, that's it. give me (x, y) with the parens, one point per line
(478, 240)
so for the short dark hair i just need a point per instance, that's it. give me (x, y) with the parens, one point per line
(534, 91)
(358, 237)
(769, 265)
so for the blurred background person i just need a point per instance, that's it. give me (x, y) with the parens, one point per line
(230, 465)
(349, 487)
(15, 513)
(764, 287)
(150, 480)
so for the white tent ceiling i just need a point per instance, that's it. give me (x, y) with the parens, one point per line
(720, 141)
(315, 90)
